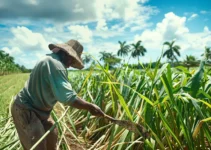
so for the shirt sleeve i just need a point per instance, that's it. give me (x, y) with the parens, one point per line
(60, 85)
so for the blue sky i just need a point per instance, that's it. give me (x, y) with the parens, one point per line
(28, 28)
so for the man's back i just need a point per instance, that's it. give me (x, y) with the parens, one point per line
(48, 83)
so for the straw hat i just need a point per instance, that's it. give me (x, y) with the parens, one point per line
(73, 48)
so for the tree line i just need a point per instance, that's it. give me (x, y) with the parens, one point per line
(8, 66)
(137, 50)
(134, 50)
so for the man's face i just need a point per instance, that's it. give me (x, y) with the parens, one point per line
(68, 60)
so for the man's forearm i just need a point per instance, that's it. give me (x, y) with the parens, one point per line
(81, 104)
(92, 108)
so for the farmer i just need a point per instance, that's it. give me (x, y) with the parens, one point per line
(47, 84)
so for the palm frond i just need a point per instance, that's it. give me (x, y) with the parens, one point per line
(166, 43)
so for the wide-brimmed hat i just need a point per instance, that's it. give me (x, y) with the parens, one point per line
(73, 48)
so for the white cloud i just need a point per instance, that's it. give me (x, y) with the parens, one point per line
(14, 51)
(49, 29)
(20, 57)
(95, 48)
(106, 9)
(119, 27)
(25, 39)
(132, 9)
(28, 63)
(174, 27)
(134, 17)
(206, 29)
(82, 33)
(72, 10)
(26, 46)
(30, 44)
(171, 27)
(39, 55)
(138, 27)
(131, 12)
(144, 1)
(203, 12)
(101, 25)
(107, 34)
(193, 16)
(199, 40)
(140, 21)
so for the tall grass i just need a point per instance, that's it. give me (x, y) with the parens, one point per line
(172, 103)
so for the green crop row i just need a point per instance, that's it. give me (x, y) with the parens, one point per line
(173, 104)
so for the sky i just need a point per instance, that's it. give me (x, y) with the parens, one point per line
(28, 26)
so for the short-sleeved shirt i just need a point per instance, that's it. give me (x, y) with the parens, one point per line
(47, 84)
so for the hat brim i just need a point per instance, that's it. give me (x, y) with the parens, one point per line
(69, 50)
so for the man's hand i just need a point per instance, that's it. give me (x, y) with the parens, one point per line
(92, 108)
(96, 111)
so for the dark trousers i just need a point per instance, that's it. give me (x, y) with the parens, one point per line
(30, 129)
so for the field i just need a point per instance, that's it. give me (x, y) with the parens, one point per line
(173, 104)
(9, 86)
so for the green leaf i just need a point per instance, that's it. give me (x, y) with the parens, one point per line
(123, 104)
(165, 122)
(167, 87)
(195, 81)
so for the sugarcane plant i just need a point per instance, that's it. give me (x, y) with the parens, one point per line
(171, 104)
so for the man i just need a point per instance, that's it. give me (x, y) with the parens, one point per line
(47, 84)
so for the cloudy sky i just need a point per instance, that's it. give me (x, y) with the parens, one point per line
(28, 26)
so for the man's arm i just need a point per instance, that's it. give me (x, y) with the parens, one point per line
(79, 103)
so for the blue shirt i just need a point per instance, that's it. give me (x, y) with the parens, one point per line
(48, 83)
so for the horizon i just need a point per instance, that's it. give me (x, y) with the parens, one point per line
(98, 26)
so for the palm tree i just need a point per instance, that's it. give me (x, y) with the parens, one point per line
(124, 49)
(207, 53)
(2, 54)
(86, 59)
(109, 58)
(138, 50)
(171, 50)
(9, 59)
(104, 55)
(190, 61)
